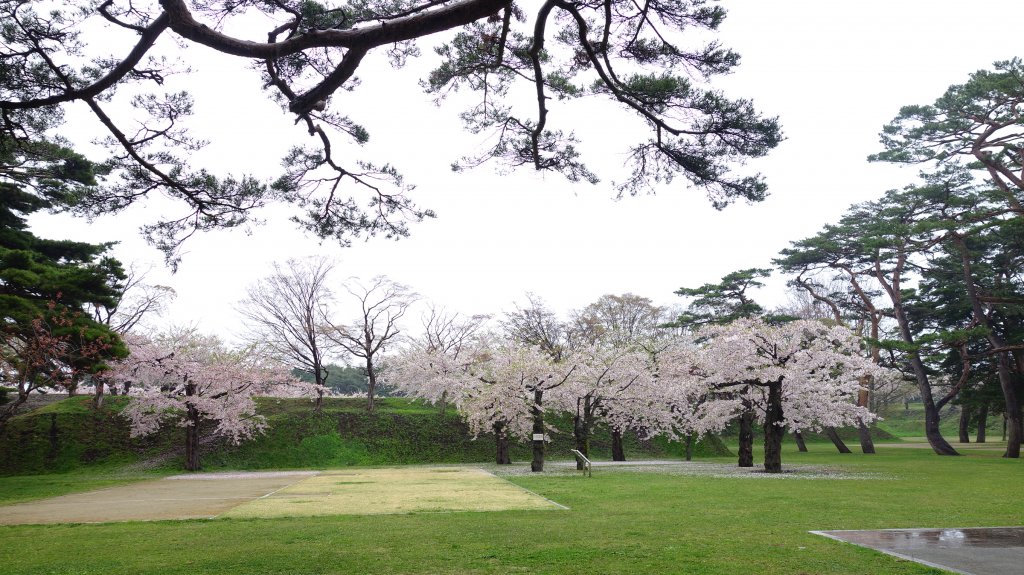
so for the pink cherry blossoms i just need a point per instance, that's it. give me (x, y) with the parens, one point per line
(191, 379)
(798, 376)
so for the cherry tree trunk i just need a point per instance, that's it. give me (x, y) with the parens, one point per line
(442, 405)
(746, 448)
(192, 439)
(618, 453)
(97, 400)
(320, 379)
(773, 430)
(965, 422)
(191, 431)
(371, 384)
(867, 445)
(537, 465)
(581, 432)
(833, 436)
(982, 422)
(689, 447)
(799, 438)
(501, 444)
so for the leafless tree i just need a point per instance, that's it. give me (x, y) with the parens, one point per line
(284, 312)
(535, 324)
(447, 332)
(812, 300)
(382, 304)
(625, 319)
(137, 300)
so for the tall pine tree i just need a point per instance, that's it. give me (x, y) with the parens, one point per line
(47, 340)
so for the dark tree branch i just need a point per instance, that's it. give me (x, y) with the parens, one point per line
(401, 29)
(146, 41)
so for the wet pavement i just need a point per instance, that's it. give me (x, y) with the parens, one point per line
(972, 551)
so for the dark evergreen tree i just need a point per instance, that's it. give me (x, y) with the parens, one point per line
(976, 125)
(723, 302)
(653, 62)
(882, 242)
(45, 285)
(972, 293)
(344, 380)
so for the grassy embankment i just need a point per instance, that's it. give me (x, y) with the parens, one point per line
(69, 436)
(901, 422)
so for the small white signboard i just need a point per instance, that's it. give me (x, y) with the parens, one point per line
(538, 437)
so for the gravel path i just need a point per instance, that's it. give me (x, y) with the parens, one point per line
(686, 468)
(239, 475)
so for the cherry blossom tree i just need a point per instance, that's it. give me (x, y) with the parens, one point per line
(625, 321)
(448, 332)
(720, 303)
(499, 386)
(192, 380)
(801, 375)
(606, 385)
(516, 378)
(441, 374)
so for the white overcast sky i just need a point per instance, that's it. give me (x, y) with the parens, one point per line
(834, 72)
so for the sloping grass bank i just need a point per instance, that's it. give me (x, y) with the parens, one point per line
(69, 435)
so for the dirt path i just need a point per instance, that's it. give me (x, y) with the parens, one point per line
(168, 498)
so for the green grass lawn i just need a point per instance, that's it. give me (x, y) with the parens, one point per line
(901, 422)
(619, 522)
(18, 488)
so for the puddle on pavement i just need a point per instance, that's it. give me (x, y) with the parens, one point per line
(944, 538)
(972, 550)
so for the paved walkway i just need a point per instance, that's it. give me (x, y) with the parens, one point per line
(368, 491)
(972, 551)
(156, 499)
